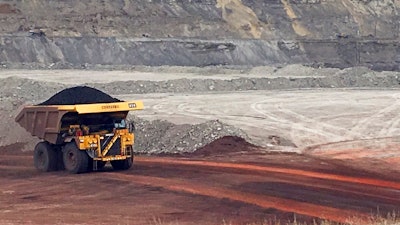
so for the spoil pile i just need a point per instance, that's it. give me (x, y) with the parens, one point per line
(79, 95)
(225, 145)
(163, 137)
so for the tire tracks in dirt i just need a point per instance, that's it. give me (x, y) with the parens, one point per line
(383, 193)
(219, 191)
(385, 113)
(268, 169)
(300, 127)
(247, 169)
(288, 115)
(14, 167)
(251, 168)
(376, 190)
(303, 208)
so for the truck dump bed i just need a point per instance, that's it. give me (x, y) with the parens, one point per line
(48, 121)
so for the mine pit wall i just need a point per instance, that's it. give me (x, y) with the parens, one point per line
(78, 52)
(205, 19)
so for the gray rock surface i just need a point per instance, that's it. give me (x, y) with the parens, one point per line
(120, 34)
(155, 137)
(98, 53)
(205, 19)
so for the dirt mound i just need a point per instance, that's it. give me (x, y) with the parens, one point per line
(163, 137)
(13, 149)
(79, 95)
(227, 144)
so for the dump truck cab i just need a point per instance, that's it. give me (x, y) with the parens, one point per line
(81, 137)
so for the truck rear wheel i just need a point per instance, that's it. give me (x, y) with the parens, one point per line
(122, 164)
(75, 160)
(45, 157)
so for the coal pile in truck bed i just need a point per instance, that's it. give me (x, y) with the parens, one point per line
(79, 95)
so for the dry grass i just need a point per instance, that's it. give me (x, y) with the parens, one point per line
(390, 219)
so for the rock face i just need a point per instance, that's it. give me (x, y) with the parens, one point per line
(76, 34)
(97, 53)
(205, 19)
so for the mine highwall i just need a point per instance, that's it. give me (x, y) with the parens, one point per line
(78, 52)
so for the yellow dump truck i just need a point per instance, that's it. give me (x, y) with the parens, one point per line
(82, 137)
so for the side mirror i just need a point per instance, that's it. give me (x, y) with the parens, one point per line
(131, 127)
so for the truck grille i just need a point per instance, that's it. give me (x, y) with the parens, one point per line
(115, 148)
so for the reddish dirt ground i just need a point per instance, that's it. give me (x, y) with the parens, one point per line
(7, 8)
(227, 182)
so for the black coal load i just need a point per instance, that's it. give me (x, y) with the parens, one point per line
(79, 95)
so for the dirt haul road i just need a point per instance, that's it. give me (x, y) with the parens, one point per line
(341, 161)
(194, 189)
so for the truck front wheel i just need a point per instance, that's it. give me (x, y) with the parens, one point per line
(122, 164)
(45, 157)
(75, 160)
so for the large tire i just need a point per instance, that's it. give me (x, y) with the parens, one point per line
(75, 160)
(122, 164)
(45, 157)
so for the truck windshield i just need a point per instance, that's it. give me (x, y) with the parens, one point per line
(120, 124)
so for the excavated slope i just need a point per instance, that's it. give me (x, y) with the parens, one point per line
(205, 19)
(92, 34)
